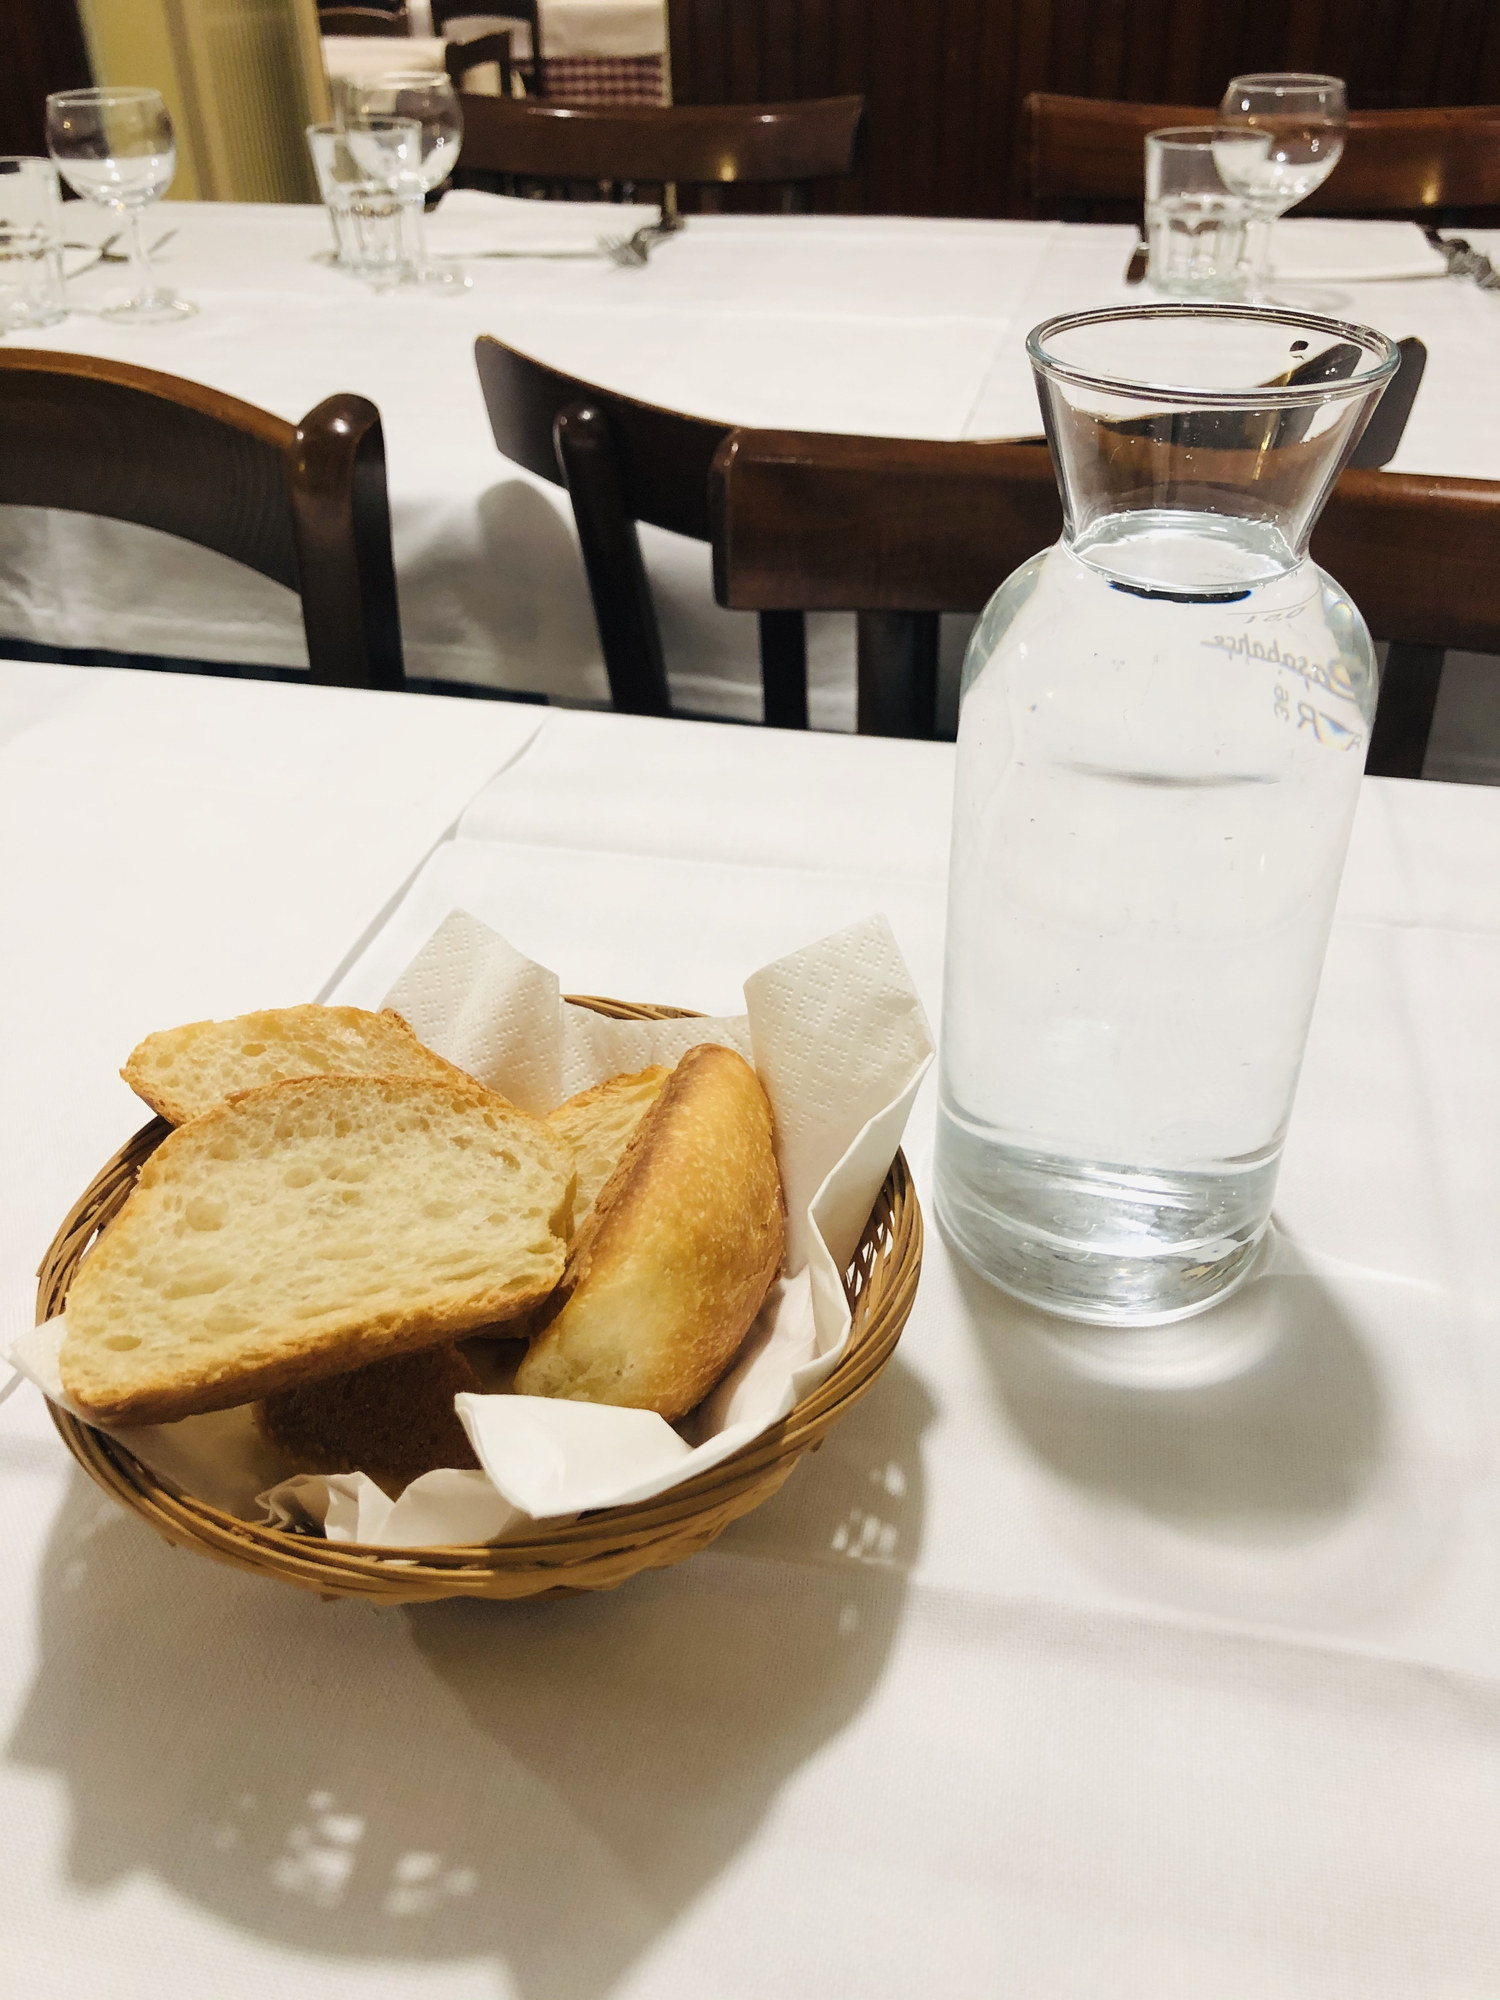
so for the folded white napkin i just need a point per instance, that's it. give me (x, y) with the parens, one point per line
(840, 1043)
(468, 223)
(1311, 249)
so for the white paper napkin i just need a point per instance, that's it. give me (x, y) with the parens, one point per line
(468, 223)
(840, 1043)
(1318, 249)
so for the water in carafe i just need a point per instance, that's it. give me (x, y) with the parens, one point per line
(1162, 735)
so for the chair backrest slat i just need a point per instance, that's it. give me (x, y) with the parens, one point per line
(1084, 150)
(685, 144)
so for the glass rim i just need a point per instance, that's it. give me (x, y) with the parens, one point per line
(416, 79)
(1185, 135)
(105, 93)
(1384, 351)
(1284, 79)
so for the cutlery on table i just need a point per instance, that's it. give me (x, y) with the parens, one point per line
(1140, 257)
(1463, 260)
(633, 251)
(105, 253)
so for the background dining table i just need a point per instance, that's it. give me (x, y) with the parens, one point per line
(1040, 1678)
(895, 326)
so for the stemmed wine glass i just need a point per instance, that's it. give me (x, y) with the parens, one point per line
(116, 148)
(429, 97)
(1278, 138)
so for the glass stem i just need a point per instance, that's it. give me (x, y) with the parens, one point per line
(142, 278)
(414, 228)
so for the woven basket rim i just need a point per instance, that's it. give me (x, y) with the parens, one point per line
(892, 1237)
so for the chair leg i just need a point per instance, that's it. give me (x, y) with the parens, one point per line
(1403, 718)
(783, 668)
(623, 608)
(897, 667)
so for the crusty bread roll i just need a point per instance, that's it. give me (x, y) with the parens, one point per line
(183, 1072)
(598, 1124)
(685, 1238)
(309, 1227)
(394, 1420)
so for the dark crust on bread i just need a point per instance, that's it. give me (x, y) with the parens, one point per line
(393, 1420)
(380, 1338)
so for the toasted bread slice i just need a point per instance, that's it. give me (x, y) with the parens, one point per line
(598, 1124)
(684, 1241)
(183, 1072)
(309, 1227)
(394, 1420)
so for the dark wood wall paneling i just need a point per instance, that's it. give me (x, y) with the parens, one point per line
(41, 49)
(943, 80)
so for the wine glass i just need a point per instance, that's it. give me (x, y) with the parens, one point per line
(1303, 119)
(429, 97)
(115, 147)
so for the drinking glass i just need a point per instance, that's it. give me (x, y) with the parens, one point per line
(1195, 227)
(115, 147)
(1304, 119)
(366, 172)
(429, 97)
(31, 284)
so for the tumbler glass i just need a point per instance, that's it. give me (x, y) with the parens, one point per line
(1195, 228)
(31, 281)
(366, 174)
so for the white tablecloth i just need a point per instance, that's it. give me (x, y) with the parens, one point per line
(889, 325)
(1024, 1685)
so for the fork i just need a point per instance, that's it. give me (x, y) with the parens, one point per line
(632, 251)
(1464, 261)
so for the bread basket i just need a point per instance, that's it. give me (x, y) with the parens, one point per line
(597, 1551)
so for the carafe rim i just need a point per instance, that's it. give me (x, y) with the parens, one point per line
(1384, 353)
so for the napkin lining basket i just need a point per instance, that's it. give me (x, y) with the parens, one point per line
(596, 1552)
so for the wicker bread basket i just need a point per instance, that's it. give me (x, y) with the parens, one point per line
(595, 1552)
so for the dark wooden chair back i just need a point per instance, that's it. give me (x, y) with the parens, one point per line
(650, 143)
(363, 21)
(623, 462)
(900, 530)
(1084, 158)
(461, 57)
(449, 16)
(304, 504)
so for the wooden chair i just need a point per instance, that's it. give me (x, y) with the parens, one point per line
(624, 462)
(304, 504)
(1084, 159)
(448, 14)
(684, 145)
(901, 530)
(363, 21)
(461, 57)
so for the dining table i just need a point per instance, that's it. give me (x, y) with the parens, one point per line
(885, 325)
(1062, 1668)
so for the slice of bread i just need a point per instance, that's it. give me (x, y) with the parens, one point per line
(309, 1227)
(666, 1276)
(394, 1420)
(598, 1124)
(183, 1072)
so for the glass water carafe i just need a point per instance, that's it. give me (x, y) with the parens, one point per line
(1161, 737)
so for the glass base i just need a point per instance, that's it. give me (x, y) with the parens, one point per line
(442, 278)
(1103, 1244)
(155, 309)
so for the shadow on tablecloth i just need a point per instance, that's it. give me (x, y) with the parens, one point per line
(1311, 1481)
(547, 1786)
